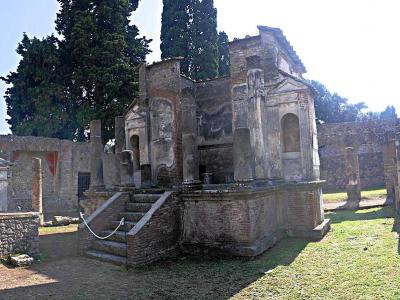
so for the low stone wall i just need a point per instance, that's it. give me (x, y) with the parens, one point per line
(19, 233)
(246, 222)
(157, 234)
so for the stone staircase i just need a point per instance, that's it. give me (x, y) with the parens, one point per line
(114, 249)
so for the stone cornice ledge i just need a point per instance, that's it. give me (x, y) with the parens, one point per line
(238, 191)
(19, 215)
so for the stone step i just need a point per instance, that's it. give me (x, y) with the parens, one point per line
(131, 216)
(118, 236)
(145, 198)
(126, 227)
(110, 247)
(114, 259)
(138, 207)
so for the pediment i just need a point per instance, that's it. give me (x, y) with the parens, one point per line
(289, 85)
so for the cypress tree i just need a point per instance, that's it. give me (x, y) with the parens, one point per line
(100, 50)
(204, 53)
(36, 99)
(175, 31)
(223, 52)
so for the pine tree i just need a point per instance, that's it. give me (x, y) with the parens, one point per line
(100, 51)
(36, 99)
(223, 52)
(175, 31)
(204, 51)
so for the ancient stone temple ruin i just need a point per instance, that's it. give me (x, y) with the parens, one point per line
(225, 166)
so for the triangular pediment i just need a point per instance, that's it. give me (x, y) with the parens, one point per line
(289, 85)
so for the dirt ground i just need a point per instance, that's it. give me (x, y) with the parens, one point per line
(63, 274)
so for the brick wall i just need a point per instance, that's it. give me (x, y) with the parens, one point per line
(246, 222)
(19, 233)
(157, 234)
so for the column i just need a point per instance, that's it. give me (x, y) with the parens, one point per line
(243, 159)
(256, 95)
(353, 177)
(127, 169)
(37, 205)
(190, 152)
(119, 146)
(397, 187)
(96, 157)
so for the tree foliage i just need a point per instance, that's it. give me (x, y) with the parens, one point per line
(90, 73)
(177, 17)
(204, 50)
(332, 108)
(223, 53)
(189, 30)
(36, 99)
(100, 51)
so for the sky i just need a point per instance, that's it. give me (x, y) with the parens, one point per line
(352, 47)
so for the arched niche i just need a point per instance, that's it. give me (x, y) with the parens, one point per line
(290, 133)
(134, 143)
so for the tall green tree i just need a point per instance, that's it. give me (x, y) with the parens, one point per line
(100, 51)
(223, 53)
(36, 99)
(388, 113)
(332, 108)
(204, 51)
(175, 31)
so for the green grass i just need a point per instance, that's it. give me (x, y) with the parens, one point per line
(358, 259)
(58, 229)
(365, 194)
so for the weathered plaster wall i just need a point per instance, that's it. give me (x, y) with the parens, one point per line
(163, 85)
(374, 141)
(62, 161)
(214, 117)
(19, 233)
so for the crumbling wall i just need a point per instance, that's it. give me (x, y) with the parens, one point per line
(374, 141)
(19, 233)
(163, 86)
(62, 161)
(214, 117)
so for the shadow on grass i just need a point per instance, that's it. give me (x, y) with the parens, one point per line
(358, 215)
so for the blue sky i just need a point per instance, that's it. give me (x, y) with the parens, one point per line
(351, 46)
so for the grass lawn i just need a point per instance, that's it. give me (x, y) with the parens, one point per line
(58, 229)
(365, 195)
(358, 259)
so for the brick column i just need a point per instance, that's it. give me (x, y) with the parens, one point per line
(119, 146)
(190, 152)
(397, 184)
(243, 158)
(37, 204)
(96, 157)
(353, 177)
